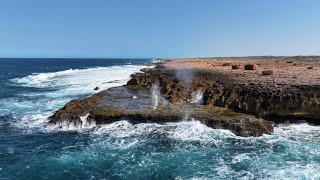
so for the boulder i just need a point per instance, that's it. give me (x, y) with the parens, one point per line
(235, 66)
(311, 67)
(132, 81)
(250, 67)
(267, 72)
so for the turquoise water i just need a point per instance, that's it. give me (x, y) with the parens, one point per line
(33, 89)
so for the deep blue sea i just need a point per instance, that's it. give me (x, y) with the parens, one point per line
(32, 89)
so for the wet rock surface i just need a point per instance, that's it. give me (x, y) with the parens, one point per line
(134, 103)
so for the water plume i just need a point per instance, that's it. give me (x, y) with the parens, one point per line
(155, 95)
(185, 75)
(197, 97)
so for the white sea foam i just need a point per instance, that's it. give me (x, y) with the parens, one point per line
(197, 151)
(196, 131)
(77, 79)
(84, 122)
(240, 157)
(297, 129)
(58, 89)
(122, 129)
(182, 131)
(155, 61)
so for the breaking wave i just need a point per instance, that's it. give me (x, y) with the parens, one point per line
(77, 79)
(192, 150)
(55, 89)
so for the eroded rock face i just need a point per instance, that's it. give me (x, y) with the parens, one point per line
(267, 100)
(262, 101)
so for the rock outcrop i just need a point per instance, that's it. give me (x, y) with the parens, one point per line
(277, 102)
(235, 100)
(118, 103)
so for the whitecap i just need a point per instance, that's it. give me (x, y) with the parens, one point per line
(155, 61)
(240, 157)
(197, 132)
(192, 131)
(76, 79)
(299, 132)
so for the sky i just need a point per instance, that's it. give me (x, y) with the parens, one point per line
(158, 28)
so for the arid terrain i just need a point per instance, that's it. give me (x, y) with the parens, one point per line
(286, 70)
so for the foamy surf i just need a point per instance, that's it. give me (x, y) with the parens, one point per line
(33, 108)
(195, 150)
(80, 78)
(192, 131)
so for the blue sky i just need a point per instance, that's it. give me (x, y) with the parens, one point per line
(162, 28)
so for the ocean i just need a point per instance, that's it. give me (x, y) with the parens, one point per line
(32, 89)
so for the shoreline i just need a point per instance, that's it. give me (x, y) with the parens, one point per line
(240, 98)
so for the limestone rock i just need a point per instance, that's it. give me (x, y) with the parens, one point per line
(236, 67)
(132, 81)
(250, 67)
(116, 104)
(267, 72)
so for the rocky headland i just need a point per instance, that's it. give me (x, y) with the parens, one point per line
(246, 95)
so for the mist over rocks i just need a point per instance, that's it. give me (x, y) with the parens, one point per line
(116, 104)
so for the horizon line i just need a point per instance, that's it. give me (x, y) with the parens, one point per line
(195, 57)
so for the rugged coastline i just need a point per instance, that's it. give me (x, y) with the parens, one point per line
(244, 95)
